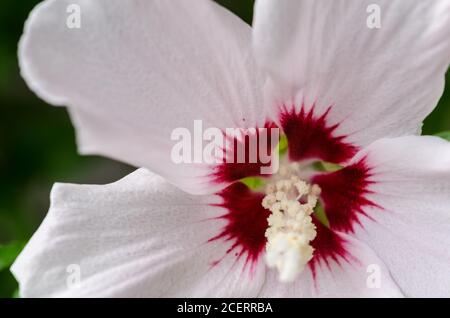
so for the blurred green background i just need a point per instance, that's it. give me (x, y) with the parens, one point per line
(37, 143)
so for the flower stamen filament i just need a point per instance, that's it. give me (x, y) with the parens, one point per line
(291, 228)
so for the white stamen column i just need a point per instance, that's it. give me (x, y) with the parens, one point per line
(291, 230)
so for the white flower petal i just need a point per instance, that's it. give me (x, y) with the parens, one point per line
(379, 82)
(138, 237)
(363, 275)
(138, 69)
(411, 231)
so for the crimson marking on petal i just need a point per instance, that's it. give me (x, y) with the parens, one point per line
(344, 195)
(310, 137)
(246, 222)
(233, 171)
(328, 246)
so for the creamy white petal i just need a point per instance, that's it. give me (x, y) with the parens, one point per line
(362, 275)
(138, 69)
(138, 237)
(379, 82)
(411, 231)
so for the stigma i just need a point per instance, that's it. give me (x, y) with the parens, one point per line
(291, 230)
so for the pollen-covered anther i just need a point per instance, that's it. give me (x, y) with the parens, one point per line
(291, 229)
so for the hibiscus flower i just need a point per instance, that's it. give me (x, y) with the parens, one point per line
(370, 196)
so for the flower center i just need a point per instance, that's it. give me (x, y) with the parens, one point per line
(291, 230)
